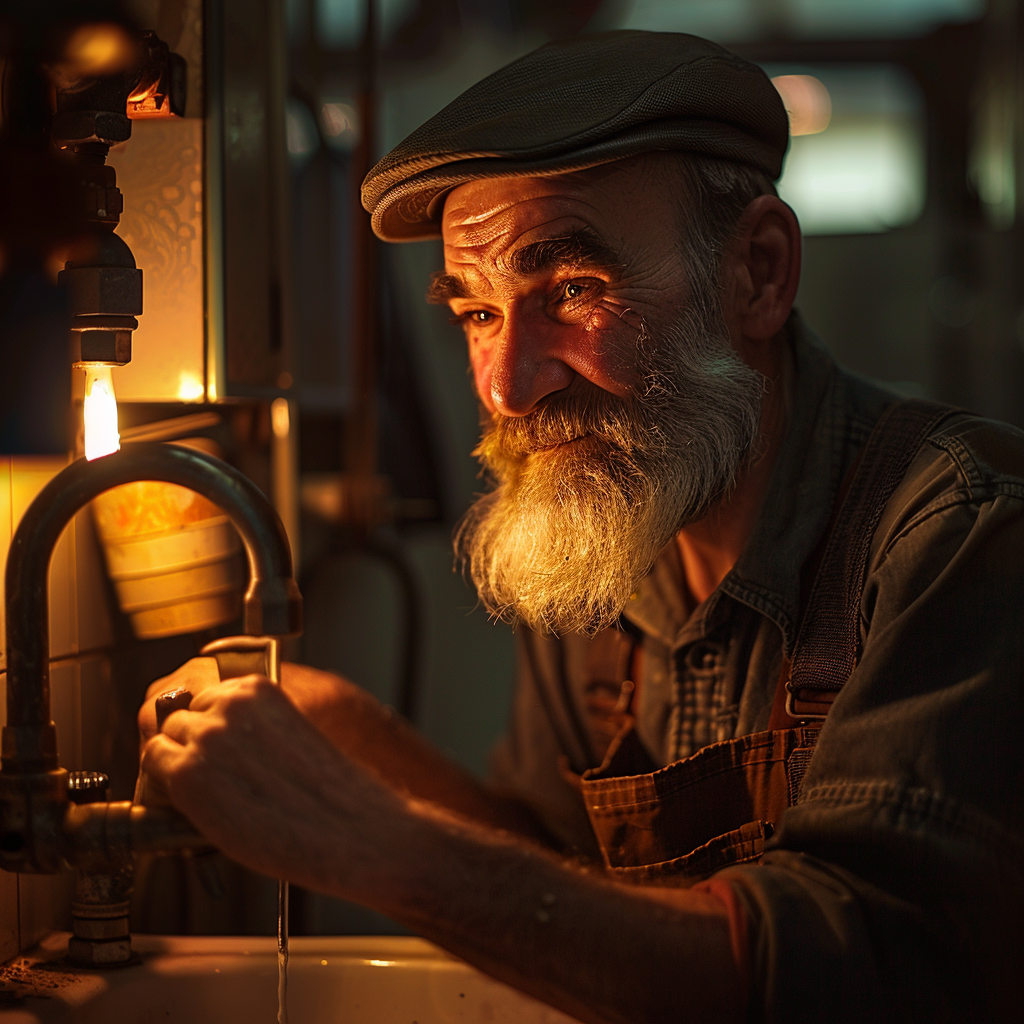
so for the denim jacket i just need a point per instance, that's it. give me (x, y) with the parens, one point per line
(894, 888)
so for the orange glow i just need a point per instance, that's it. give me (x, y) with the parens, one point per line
(190, 387)
(100, 411)
(807, 102)
(99, 49)
(280, 419)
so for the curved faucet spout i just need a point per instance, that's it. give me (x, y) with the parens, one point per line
(273, 605)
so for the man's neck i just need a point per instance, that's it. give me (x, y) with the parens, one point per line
(710, 546)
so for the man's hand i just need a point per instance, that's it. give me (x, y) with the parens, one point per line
(366, 732)
(326, 699)
(261, 782)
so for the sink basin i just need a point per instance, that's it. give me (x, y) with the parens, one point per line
(331, 980)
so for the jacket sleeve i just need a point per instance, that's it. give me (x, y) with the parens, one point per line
(895, 886)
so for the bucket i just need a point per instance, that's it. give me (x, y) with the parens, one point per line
(173, 556)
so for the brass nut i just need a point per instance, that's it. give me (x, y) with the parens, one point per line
(101, 345)
(94, 290)
(100, 911)
(110, 928)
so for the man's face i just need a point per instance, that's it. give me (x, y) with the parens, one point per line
(614, 406)
(552, 279)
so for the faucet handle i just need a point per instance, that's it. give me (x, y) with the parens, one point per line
(246, 655)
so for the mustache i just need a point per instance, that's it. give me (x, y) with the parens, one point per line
(582, 410)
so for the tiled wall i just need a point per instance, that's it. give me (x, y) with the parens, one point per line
(80, 632)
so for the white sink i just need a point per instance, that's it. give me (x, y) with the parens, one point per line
(331, 980)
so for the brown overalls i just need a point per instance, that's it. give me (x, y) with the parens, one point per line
(718, 807)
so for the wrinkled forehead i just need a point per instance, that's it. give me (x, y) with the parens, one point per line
(619, 203)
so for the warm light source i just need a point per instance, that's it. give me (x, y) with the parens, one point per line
(866, 173)
(280, 418)
(190, 387)
(807, 102)
(101, 436)
(98, 49)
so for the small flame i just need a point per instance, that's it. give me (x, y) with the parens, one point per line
(101, 436)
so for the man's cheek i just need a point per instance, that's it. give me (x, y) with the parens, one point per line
(612, 348)
(619, 313)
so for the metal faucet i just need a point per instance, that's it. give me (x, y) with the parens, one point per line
(42, 830)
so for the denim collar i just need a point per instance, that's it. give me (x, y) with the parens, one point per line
(819, 441)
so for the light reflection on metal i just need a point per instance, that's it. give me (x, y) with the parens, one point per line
(279, 417)
(807, 102)
(100, 412)
(190, 387)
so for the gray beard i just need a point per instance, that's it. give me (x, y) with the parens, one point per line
(567, 533)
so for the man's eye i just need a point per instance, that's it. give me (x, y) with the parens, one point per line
(573, 290)
(473, 316)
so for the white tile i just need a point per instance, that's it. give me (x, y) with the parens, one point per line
(44, 905)
(94, 628)
(64, 710)
(99, 717)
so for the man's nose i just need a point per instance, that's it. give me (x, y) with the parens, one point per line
(527, 363)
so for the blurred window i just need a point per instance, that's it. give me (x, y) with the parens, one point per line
(300, 132)
(860, 166)
(732, 20)
(739, 20)
(339, 23)
(878, 17)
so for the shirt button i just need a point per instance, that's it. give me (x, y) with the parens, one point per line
(703, 655)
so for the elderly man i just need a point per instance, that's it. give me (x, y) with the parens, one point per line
(761, 763)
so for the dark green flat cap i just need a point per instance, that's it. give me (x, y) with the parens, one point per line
(576, 104)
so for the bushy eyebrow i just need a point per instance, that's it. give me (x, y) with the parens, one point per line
(580, 249)
(444, 286)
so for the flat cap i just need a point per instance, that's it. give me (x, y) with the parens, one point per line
(576, 104)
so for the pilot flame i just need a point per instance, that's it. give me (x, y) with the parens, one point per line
(100, 412)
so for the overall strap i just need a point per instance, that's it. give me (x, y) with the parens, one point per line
(828, 645)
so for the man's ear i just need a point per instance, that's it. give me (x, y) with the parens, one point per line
(762, 268)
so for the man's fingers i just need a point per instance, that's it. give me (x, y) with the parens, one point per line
(195, 675)
(235, 706)
(178, 727)
(162, 755)
(214, 695)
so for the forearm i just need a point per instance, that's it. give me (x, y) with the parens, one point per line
(600, 950)
(377, 737)
(272, 792)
